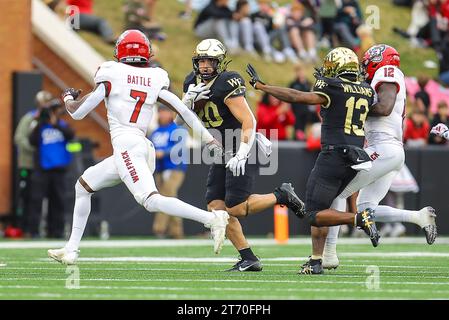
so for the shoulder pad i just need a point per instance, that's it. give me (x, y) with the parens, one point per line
(229, 84)
(104, 71)
(164, 79)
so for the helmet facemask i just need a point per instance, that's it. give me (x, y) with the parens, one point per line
(215, 66)
(215, 51)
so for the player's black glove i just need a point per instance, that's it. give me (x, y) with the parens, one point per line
(254, 76)
(70, 93)
(318, 72)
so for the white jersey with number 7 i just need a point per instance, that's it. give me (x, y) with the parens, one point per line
(131, 93)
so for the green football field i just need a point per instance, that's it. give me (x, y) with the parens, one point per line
(404, 268)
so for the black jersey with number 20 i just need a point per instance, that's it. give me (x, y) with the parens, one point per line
(215, 114)
(345, 113)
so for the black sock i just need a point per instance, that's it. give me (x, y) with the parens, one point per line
(247, 254)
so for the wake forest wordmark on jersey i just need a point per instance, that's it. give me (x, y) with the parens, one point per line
(345, 113)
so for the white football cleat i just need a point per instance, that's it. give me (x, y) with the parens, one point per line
(218, 228)
(330, 259)
(427, 222)
(64, 256)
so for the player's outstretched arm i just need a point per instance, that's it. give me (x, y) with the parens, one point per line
(386, 95)
(78, 109)
(172, 101)
(284, 94)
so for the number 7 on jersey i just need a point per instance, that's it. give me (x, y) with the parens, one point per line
(140, 96)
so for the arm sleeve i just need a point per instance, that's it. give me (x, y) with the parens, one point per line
(91, 103)
(188, 116)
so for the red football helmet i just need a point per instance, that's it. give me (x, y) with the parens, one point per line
(378, 56)
(133, 47)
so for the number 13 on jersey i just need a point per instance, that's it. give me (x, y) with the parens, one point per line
(355, 120)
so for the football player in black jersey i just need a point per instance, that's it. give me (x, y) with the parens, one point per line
(345, 103)
(217, 96)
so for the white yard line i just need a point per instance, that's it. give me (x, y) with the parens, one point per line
(389, 255)
(286, 269)
(74, 294)
(178, 288)
(240, 280)
(199, 242)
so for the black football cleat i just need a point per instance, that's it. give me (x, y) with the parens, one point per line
(246, 265)
(365, 221)
(312, 266)
(291, 200)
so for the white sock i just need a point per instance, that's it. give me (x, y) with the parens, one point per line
(331, 240)
(389, 214)
(175, 207)
(81, 213)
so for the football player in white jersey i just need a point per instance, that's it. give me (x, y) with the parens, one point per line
(130, 89)
(383, 132)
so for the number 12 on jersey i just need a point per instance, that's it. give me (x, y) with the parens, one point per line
(140, 96)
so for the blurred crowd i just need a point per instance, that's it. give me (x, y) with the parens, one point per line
(292, 32)
(295, 32)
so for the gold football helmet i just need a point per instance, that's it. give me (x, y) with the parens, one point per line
(341, 61)
(210, 49)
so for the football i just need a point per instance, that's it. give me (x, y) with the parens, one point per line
(200, 105)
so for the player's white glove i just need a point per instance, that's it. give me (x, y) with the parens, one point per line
(237, 163)
(195, 93)
(440, 130)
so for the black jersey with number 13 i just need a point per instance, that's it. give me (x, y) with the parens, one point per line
(345, 113)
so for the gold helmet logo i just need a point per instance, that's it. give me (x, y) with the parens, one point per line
(341, 61)
(210, 49)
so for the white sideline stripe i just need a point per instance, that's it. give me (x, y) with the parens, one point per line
(201, 242)
(225, 289)
(240, 280)
(414, 254)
